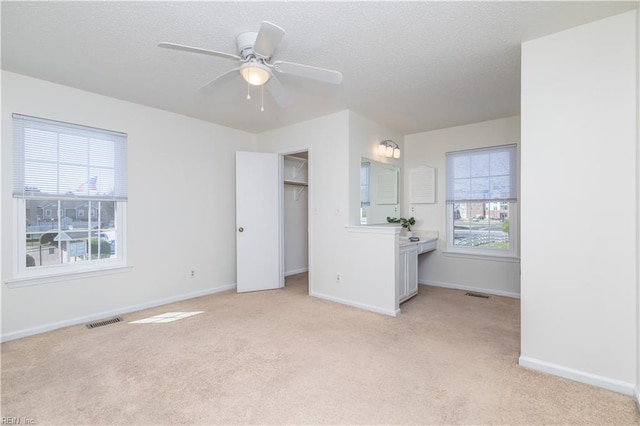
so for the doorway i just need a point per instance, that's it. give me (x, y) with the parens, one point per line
(295, 219)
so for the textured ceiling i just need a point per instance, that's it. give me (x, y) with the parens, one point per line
(412, 66)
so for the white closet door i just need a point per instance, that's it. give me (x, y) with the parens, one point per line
(257, 221)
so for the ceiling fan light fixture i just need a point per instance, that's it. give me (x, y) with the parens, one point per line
(255, 73)
(254, 52)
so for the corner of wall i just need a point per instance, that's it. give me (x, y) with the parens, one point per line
(637, 388)
(254, 141)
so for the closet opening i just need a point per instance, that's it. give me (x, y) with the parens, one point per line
(295, 220)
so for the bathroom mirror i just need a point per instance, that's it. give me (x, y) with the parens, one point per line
(379, 192)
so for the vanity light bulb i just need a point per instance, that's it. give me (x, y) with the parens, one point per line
(396, 153)
(382, 149)
(389, 152)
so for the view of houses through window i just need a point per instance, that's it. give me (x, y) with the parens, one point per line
(481, 224)
(69, 231)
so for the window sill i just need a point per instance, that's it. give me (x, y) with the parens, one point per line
(482, 256)
(52, 278)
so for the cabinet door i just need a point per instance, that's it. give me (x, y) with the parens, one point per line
(402, 281)
(412, 272)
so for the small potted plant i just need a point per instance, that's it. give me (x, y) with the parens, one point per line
(406, 223)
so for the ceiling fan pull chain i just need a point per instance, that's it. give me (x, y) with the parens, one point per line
(248, 91)
(262, 100)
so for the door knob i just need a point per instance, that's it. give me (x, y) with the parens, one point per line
(241, 229)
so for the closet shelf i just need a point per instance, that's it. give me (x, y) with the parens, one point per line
(297, 169)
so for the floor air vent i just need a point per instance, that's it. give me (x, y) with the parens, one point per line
(105, 322)
(482, 296)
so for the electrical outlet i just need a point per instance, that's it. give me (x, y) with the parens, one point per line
(192, 274)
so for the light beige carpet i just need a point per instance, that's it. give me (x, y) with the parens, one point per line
(282, 357)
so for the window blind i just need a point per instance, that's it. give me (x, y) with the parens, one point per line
(365, 167)
(53, 159)
(482, 174)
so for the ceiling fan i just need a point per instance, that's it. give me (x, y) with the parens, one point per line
(254, 55)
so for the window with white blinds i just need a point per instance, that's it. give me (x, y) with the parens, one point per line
(365, 171)
(482, 202)
(67, 161)
(482, 174)
(70, 193)
(365, 168)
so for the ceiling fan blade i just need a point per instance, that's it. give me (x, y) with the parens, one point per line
(307, 71)
(229, 75)
(277, 91)
(184, 48)
(267, 39)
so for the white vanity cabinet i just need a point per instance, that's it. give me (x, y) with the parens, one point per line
(408, 279)
(408, 263)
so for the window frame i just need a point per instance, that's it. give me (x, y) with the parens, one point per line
(512, 254)
(24, 275)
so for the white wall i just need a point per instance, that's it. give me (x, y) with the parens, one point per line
(334, 250)
(373, 256)
(429, 148)
(180, 211)
(579, 216)
(326, 140)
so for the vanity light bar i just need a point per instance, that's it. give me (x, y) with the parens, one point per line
(389, 149)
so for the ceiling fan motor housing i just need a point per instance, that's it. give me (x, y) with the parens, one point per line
(245, 43)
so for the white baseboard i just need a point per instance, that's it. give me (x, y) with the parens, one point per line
(636, 393)
(579, 376)
(106, 314)
(296, 271)
(470, 288)
(389, 312)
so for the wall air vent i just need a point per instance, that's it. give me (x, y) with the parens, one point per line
(104, 322)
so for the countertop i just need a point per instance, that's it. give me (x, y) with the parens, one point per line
(425, 236)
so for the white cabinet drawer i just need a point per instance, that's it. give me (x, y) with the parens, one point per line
(425, 246)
